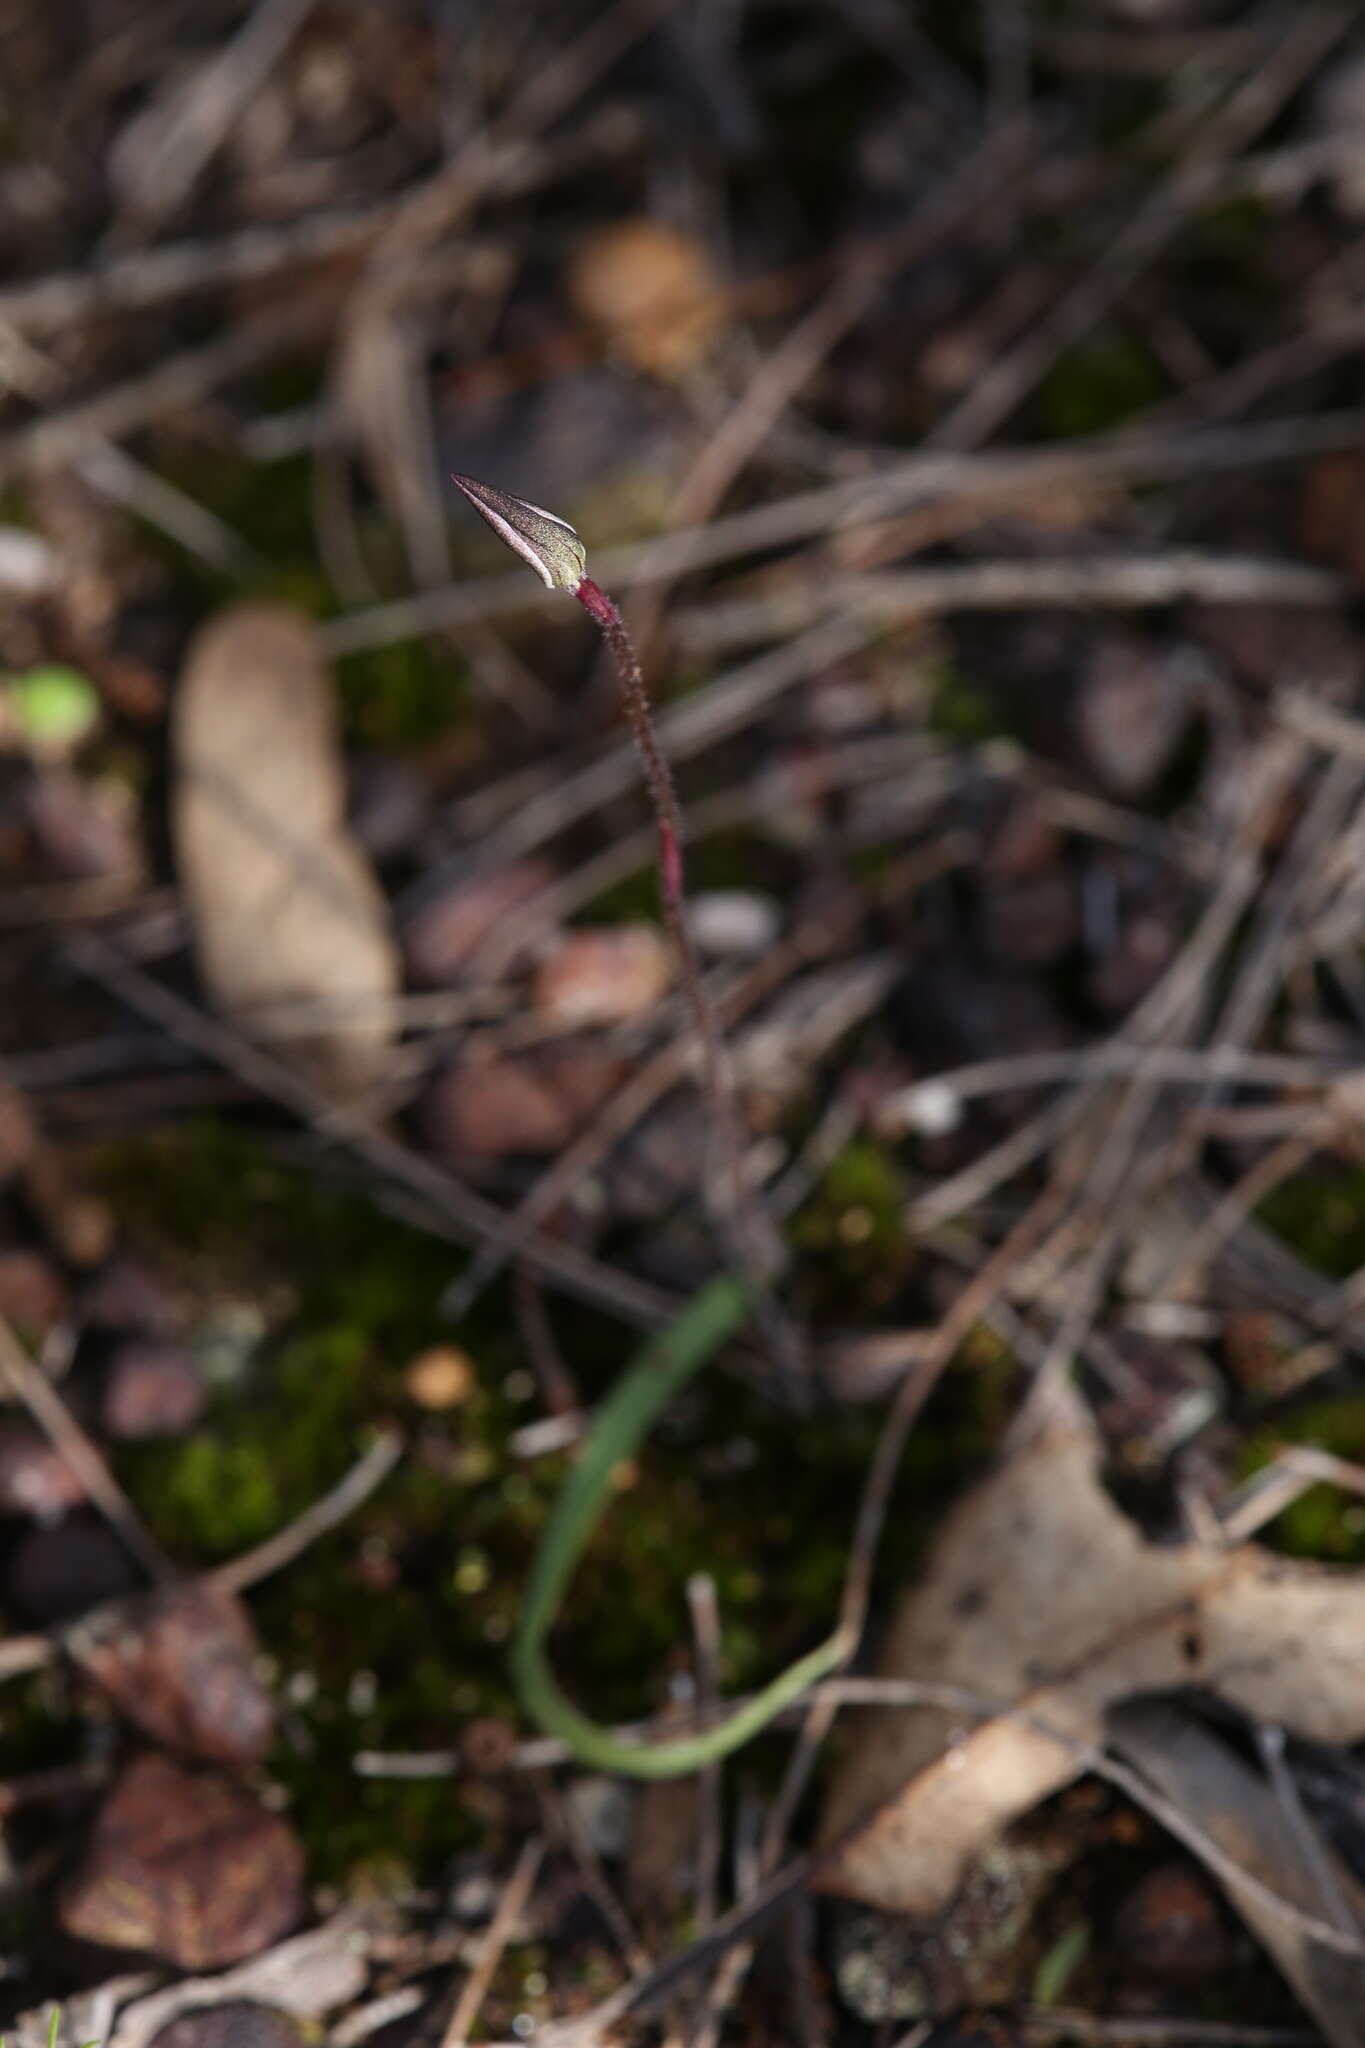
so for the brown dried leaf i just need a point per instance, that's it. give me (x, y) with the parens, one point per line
(304, 1977)
(285, 908)
(180, 1664)
(185, 1865)
(1235, 1805)
(1041, 1594)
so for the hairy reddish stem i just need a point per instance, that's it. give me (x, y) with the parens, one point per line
(717, 1078)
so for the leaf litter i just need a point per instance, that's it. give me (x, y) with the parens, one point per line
(290, 928)
(1044, 1602)
(473, 294)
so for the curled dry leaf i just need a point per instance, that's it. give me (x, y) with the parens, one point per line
(180, 1664)
(1042, 1596)
(290, 926)
(186, 1865)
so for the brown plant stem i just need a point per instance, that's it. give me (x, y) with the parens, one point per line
(718, 1083)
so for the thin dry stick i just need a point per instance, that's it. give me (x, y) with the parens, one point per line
(1254, 103)
(1105, 1190)
(326, 1514)
(558, 1388)
(1119, 582)
(1133, 455)
(31, 1386)
(168, 164)
(783, 371)
(1270, 1745)
(1064, 2023)
(629, 1106)
(55, 438)
(563, 1822)
(1245, 1195)
(705, 1612)
(822, 1711)
(446, 1205)
(1279, 1484)
(496, 1937)
(1223, 1866)
(139, 278)
(744, 1918)
(21, 1654)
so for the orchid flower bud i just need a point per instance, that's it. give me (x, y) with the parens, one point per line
(549, 544)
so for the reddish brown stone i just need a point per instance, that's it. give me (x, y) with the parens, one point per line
(35, 1479)
(151, 1390)
(495, 1108)
(32, 1292)
(446, 932)
(83, 829)
(18, 1137)
(53, 1574)
(80, 1224)
(185, 1865)
(238, 2025)
(1133, 713)
(1170, 1928)
(179, 1665)
(127, 1295)
(603, 977)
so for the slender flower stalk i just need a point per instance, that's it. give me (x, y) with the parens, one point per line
(552, 548)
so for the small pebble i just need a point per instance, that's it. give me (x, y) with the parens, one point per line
(440, 1378)
(603, 977)
(733, 924)
(32, 1292)
(151, 1390)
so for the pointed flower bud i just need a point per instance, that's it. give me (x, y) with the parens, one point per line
(549, 544)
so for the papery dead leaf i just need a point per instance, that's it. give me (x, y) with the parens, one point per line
(186, 1865)
(286, 910)
(306, 1976)
(1235, 1807)
(179, 1662)
(1042, 1596)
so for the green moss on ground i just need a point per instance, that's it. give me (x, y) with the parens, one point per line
(1320, 1214)
(1098, 385)
(958, 708)
(1326, 1522)
(852, 1232)
(392, 1632)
